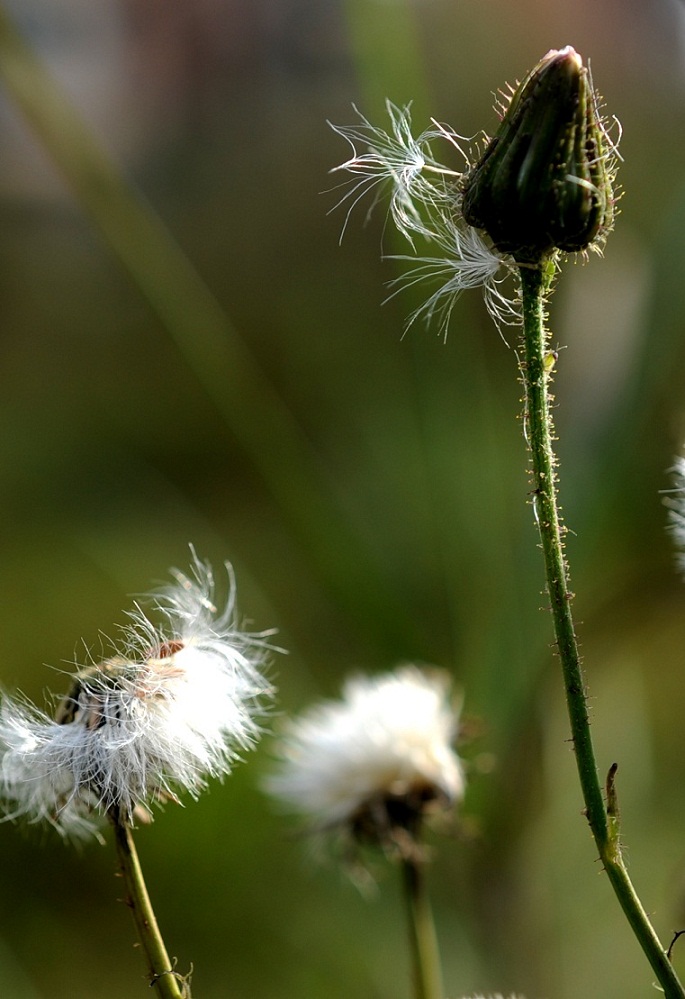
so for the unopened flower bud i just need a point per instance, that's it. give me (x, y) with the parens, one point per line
(543, 182)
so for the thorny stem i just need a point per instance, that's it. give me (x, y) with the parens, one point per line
(423, 942)
(535, 371)
(162, 975)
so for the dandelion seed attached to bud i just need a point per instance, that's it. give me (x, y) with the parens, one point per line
(424, 198)
(543, 184)
(377, 762)
(398, 161)
(176, 704)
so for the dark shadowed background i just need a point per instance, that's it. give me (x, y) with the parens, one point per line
(414, 540)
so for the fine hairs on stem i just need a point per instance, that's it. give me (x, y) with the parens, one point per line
(603, 821)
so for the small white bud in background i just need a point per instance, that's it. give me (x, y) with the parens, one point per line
(375, 762)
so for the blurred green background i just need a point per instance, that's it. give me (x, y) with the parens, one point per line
(404, 535)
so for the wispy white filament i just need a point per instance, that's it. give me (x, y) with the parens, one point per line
(425, 206)
(394, 160)
(176, 704)
(389, 736)
(467, 262)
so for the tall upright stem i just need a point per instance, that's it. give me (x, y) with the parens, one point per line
(603, 821)
(422, 938)
(162, 976)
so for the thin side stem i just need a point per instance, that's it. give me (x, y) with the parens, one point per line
(422, 937)
(162, 976)
(535, 370)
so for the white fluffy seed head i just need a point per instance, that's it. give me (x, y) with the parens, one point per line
(175, 705)
(376, 760)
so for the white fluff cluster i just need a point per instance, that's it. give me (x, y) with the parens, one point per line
(389, 737)
(176, 704)
(425, 206)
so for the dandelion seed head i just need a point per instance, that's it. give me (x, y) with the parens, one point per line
(379, 757)
(177, 704)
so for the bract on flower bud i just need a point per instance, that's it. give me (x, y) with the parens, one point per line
(543, 181)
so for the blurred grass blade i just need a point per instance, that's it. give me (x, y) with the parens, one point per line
(233, 379)
(13, 979)
(186, 307)
(385, 43)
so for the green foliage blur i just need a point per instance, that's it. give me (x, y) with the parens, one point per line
(113, 458)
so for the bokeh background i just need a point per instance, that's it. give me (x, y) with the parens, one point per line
(394, 528)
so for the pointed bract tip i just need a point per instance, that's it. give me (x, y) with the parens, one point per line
(544, 182)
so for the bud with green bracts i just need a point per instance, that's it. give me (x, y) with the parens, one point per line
(544, 181)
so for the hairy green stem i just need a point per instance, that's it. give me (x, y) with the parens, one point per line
(536, 365)
(422, 938)
(162, 975)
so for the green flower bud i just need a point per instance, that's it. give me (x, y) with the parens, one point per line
(544, 181)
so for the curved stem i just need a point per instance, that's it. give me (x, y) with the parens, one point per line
(535, 370)
(162, 975)
(422, 938)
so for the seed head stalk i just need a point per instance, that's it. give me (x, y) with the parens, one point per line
(422, 936)
(162, 975)
(603, 820)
